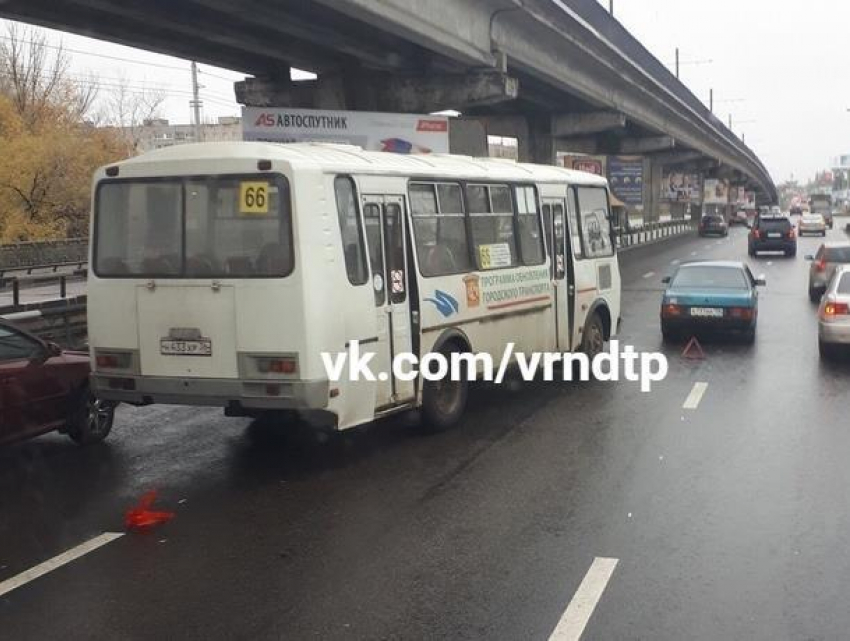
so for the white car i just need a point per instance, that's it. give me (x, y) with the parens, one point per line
(834, 313)
(811, 224)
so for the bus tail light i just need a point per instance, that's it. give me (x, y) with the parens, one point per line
(671, 311)
(113, 360)
(281, 365)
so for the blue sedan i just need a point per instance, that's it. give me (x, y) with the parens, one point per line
(710, 296)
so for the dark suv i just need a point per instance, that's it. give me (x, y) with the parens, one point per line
(772, 233)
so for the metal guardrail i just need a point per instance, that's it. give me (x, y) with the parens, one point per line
(16, 284)
(46, 254)
(634, 236)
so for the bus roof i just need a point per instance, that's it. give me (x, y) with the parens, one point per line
(350, 159)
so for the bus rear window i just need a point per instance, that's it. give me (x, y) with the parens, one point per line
(194, 227)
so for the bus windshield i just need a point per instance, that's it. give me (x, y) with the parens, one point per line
(193, 227)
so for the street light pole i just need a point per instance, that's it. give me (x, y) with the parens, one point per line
(677, 62)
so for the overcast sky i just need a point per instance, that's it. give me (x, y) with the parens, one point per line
(779, 68)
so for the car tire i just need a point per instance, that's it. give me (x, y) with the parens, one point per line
(750, 336)
(814, 295)
(593, 337)
(752, 252)
(91, 419)
(444, 402)
(826, 350)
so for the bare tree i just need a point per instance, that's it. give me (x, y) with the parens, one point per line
(129, 109)
(35, 75)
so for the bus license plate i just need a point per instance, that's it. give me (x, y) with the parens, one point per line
(711, 312)
(171, 347)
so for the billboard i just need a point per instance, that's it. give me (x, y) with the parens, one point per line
(625, 177)
(590, 164)
(715, 192)
(681, 187)
(399, 133)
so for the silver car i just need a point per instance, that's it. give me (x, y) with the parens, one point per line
(824, 262)
(811, 224)
(834, 314)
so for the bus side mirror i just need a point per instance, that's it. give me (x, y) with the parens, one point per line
(761, 281)
(665, 280)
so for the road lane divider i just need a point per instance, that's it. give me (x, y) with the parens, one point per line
(694, 398)
(649, 274)
(584, 601)
(57, 562)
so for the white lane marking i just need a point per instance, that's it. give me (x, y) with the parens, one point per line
(692, 402)
(581, 607)
(675, 261)
(649, 274)
(693, 253)
(57, 561)
(770, 263)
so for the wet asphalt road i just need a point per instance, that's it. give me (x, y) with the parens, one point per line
(729, 521)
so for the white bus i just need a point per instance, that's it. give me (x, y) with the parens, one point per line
(220, 272)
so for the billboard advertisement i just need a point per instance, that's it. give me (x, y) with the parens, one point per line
(715, 192)
(399, 133)
(590, 164)
(625, 177)
(681, 187)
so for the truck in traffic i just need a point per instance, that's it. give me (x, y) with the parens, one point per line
(822, 204)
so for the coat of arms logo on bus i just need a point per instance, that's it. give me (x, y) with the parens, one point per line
(446, 304)
(473, 289)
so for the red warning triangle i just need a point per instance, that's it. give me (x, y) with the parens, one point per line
(693, 350)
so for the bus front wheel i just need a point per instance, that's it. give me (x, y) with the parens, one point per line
(444, 401)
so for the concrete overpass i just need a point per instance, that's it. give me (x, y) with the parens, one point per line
(556, 74)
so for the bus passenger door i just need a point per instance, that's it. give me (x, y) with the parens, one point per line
(555, 223)
(384, 220)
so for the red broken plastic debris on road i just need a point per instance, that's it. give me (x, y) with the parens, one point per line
(142, 517)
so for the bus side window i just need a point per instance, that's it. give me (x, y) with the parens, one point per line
(351, 230)
(491, 218)
(528, 226)
(372, 220)
(574, 230)
(439, 228)
(595, 222)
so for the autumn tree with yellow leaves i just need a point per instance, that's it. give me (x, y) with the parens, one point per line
(48, 150)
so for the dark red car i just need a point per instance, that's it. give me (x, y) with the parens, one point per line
(44, 388)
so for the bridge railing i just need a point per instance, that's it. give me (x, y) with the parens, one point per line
(43, 254)
(633, 235)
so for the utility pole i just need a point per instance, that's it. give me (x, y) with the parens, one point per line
(677, 62)
(196, 101)
(611, 7)
(711, 100)
(730, 121)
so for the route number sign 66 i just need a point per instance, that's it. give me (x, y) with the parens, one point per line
(254, 197)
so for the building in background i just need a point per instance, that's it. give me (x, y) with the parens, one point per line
(157, 133)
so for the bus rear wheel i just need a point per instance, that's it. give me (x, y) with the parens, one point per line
(444, 401)
(593, 340)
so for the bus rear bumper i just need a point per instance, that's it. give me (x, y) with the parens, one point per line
(262, 395)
